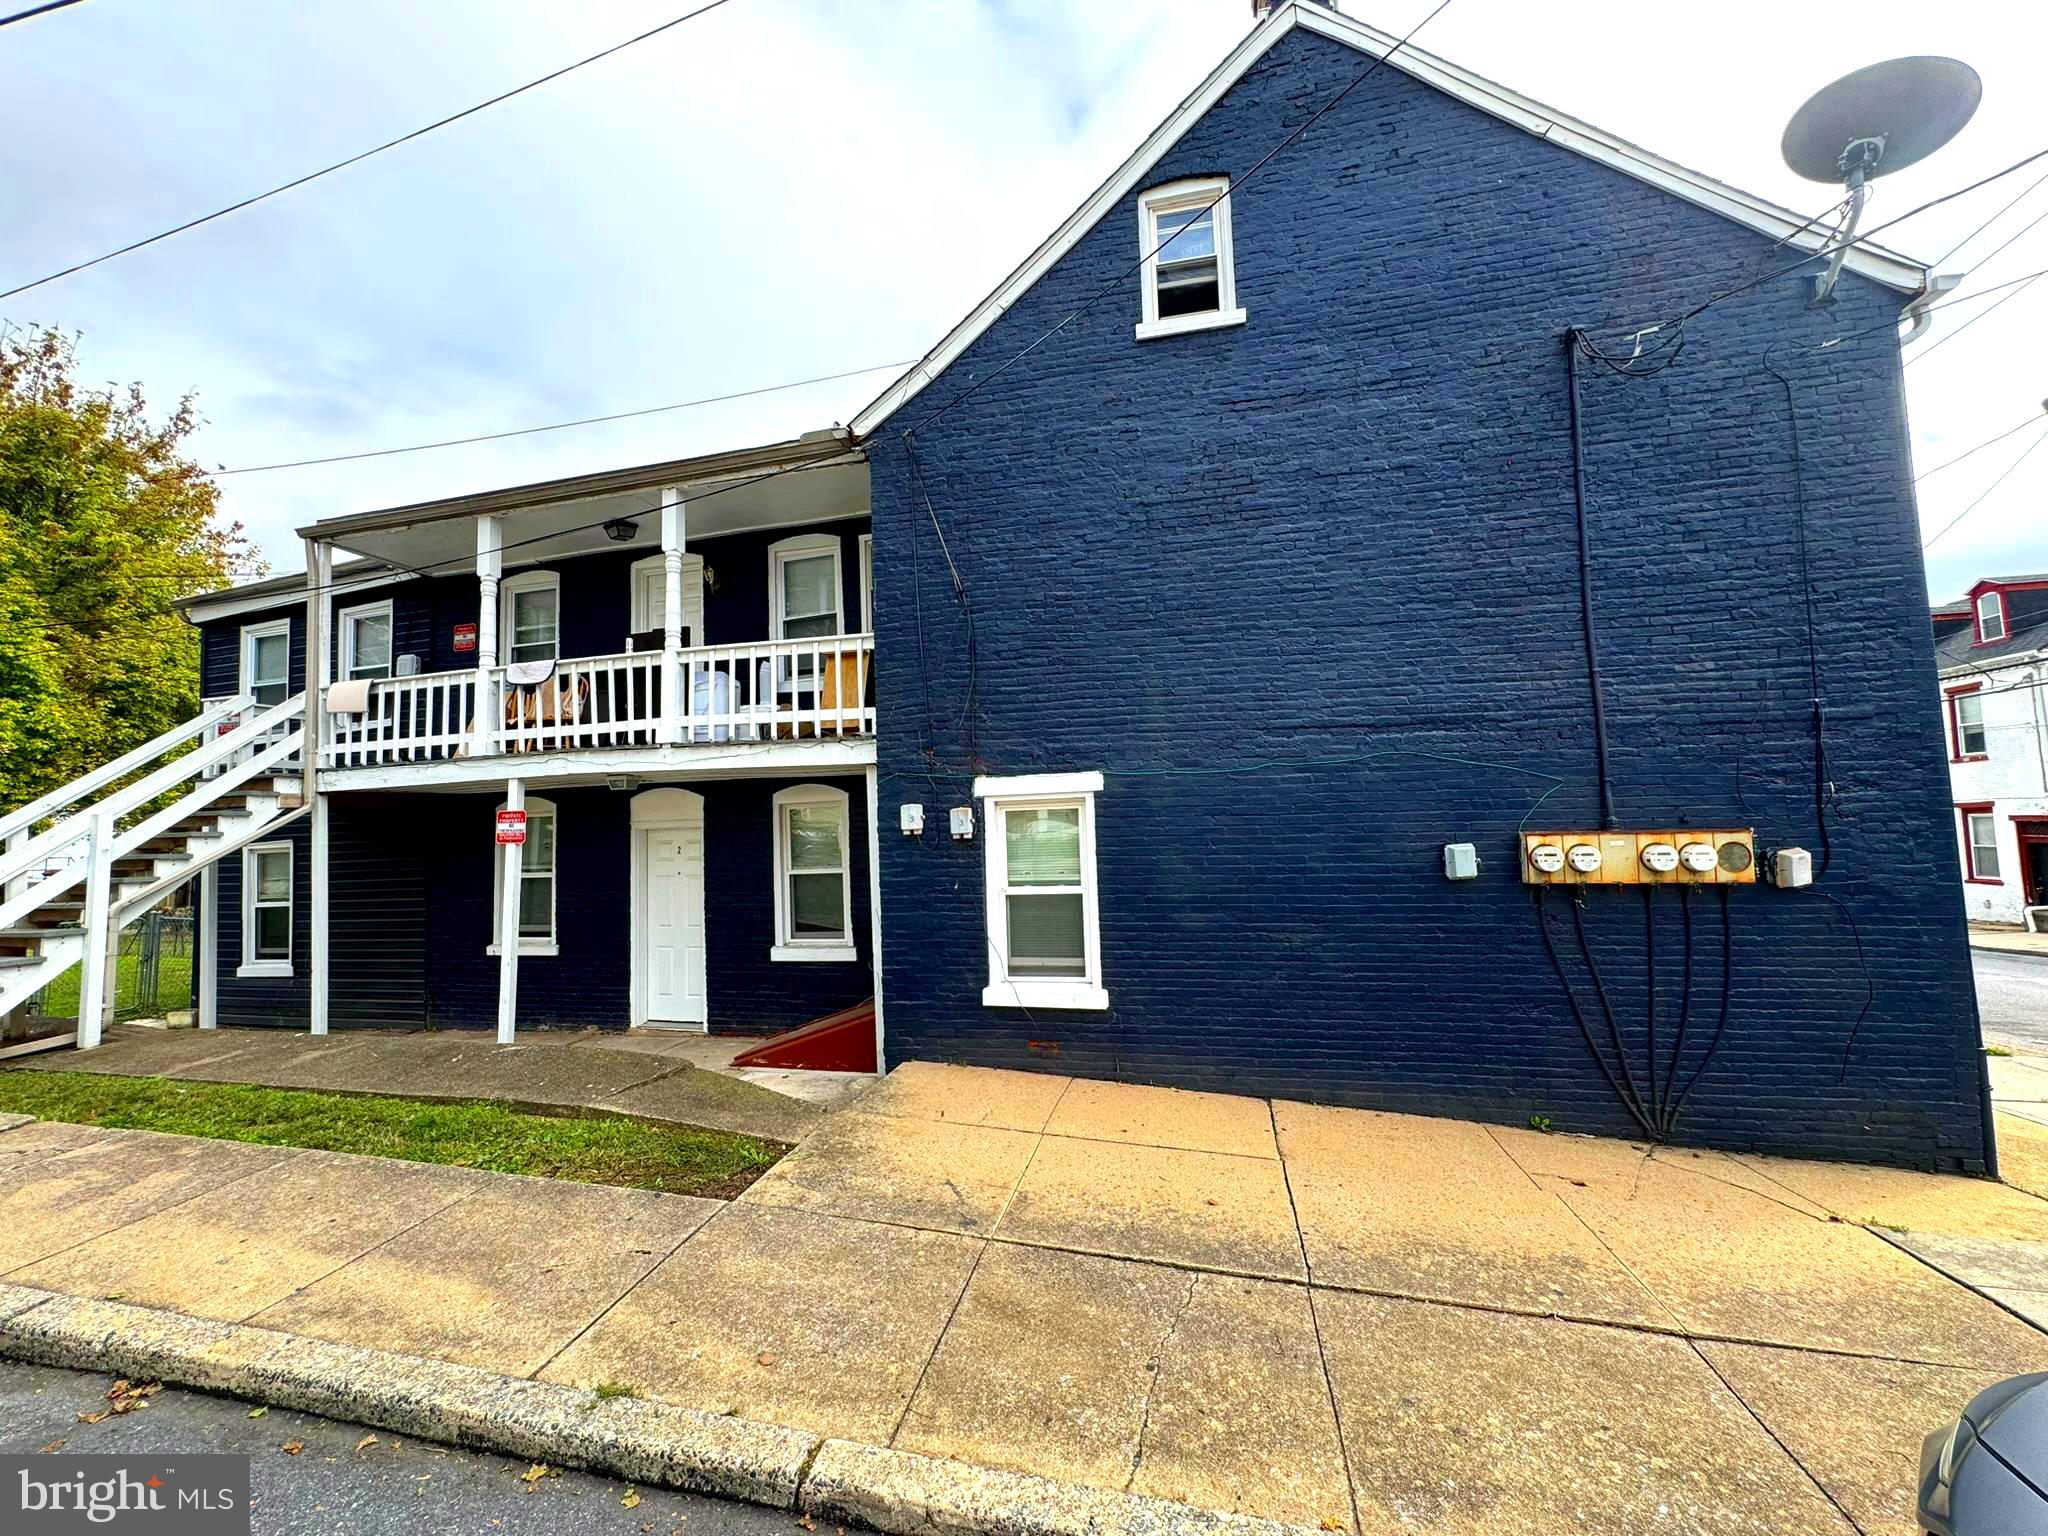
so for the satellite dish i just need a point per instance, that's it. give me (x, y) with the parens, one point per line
(1868, 124)
(1881, 119)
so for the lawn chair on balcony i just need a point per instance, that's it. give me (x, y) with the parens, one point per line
(536, 699)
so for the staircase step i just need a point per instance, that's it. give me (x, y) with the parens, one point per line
(19, 962)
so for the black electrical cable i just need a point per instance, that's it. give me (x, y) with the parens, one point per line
(1822, 786)
(1927, 352)
(971, 698)
(1869, 981)
(1607, 1009)
(1650, 996)
(1989, 442)
(1684, 1002)
(35, 10)
(328, 170)
(1721, 1026)
(1579, 1014)
(1607, 819)
(2004, 209)
(1943, 531)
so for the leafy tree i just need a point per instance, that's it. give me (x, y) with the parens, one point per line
(103, 523)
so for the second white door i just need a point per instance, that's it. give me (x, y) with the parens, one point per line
(674, 908)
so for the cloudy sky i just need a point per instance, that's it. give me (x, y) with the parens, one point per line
(789, 188)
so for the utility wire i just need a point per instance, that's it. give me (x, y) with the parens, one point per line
(557, 426)
(35, 10)
(1994, 485)
(404, 138)
(2002, 212)
(1989, 442)
(1928, 352)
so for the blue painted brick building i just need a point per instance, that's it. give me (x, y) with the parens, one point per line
(1304, 591)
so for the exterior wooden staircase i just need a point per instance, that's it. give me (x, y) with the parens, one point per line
(121, 838)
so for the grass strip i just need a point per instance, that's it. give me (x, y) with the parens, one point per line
(461, 1134)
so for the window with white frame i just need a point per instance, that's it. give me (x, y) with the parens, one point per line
(365, 640)
(266, 910)
(867, 582)
(803, 587)
(1044, 938)
(813, 875)
(266, 661)
(1980, 837)
(536, 882)
(1971, 738)
(1189, 279)
(530, 621)
(1990, 617)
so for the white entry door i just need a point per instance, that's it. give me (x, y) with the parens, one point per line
(673, 904)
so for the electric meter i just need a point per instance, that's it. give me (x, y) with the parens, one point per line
(1660, 858)
(1584, 857)
(1547, 858)
(1697, 857)
(1736, 857)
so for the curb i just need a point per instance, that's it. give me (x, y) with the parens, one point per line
(646, 1442)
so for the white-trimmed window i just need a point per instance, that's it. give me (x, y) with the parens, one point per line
(536, 882)
(266, 910)
(266, 661)
(803, 587)
(1980, 847)
(1044, 935)
(867, 583)
(813, 875)
(1971, 738)
(530, 617)
(1188, 280)
(365, 640)
(1990, 617)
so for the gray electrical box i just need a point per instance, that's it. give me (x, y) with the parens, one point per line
(1461, 861)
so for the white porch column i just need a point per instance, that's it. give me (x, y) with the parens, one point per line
(875, 908)
(93, 992)
(209, 947)
(319, 670)
(490, 565)
(508, 922)
(675, 703)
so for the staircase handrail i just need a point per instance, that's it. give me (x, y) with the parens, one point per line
(77, 827)
(66, 795)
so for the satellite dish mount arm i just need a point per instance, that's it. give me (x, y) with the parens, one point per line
(1858, 164)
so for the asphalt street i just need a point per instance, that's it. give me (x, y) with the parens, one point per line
(344, 1478)
(2012, 998)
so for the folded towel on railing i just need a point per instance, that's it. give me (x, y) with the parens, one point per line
(348, 698)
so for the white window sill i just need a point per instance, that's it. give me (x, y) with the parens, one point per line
(1044, 994)
(841, 952)
(529, 947)
(256, 968)
(1180, 325)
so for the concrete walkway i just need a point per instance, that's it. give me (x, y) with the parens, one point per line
(1337, 1319)
(675, 1078)
(2016, 941)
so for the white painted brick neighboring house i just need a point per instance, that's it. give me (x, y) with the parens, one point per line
(1992, 648)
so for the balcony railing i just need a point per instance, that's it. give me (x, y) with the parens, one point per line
(781, 690)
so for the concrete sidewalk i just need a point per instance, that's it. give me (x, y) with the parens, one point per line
(1332, 1318)
(2012, 941)
(671, 1078)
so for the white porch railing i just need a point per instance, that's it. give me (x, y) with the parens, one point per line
(766, 691)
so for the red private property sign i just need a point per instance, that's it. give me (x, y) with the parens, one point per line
(465, 637)
(511, 826)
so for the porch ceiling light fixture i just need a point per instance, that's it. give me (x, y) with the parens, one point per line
(621, 783)
(621, 530)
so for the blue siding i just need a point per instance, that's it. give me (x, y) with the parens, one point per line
(411, 918)
(1306, 590)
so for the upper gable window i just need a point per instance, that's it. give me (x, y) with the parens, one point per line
(1990, 618)
(1189, 282)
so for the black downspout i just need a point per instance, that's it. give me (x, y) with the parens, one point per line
(1571, 347)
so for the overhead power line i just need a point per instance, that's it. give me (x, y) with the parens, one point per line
(1985, 494)
(2004, 209)
(328, 170)
(35, 10)
(1987, 443)
(557, 426)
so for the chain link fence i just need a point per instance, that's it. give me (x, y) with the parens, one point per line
(153, 973)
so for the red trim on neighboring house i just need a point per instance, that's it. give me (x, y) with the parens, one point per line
(1963, 815)
(2031, 831)
(1955, 725)
(1984, 589)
